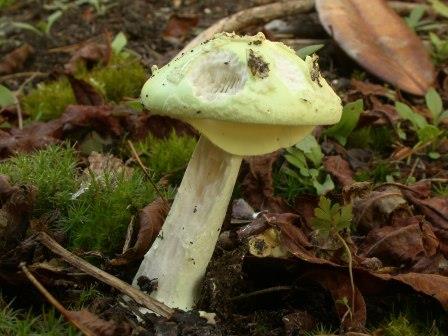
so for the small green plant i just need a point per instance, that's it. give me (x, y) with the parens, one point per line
(48, 100)
(439, 7)
(414, 19)
(19, 323)
(166, 156)
(379, 139)
(303, 171)
(439, 48)
(381, 171)
(42, 27)
(348, 122)
(98, 218)
(309, 50)
(6, 3)
(87, 296)
(334, 221)
(51, 170)
(427, 133)
(6, 97)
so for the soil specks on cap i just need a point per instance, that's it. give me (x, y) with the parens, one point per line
(315, 71)
(258, 67)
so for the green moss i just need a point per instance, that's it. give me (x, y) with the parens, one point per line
(52, 171)
(99, 217)
(4, 4)
(405, 324)
(124, 76)
(48, 100)
(19, 323)
(166, 156)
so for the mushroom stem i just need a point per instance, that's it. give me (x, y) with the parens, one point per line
(180, 254)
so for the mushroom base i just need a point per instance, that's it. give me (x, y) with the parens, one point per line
(180, 254)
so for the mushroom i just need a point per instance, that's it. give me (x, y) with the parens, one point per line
(246, 96)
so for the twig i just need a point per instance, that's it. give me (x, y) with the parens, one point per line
(252, 16)
(145, 170)
(17, 93)
(350, 269)
(23, 74)
(54, 302)
(135, 294)
(129, 232)
(261, 292)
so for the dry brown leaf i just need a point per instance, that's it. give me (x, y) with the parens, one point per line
(178, 27)
(151, 219)
(377, 38)
(340, 169)
(15, 59)
(402, 245)
(98, 326)
(16, 204)
(337, 283)
(93, 52)
(433, 285)
(84, 92)
(258, 186)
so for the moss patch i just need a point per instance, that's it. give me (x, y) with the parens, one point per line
(52, 171)
(99, 217)
(48, 100)
(19, 323)
(124, 76)
(165, 156)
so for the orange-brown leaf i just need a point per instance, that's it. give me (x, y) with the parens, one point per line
(378, 39)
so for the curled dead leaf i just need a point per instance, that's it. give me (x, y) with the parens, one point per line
(151, 219)
(15, 59)
(378, 39)
(84, 92)
(338, 284)
(258, 185)
(98, 326)
(340, 169)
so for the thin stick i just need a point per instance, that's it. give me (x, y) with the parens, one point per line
(251, 16)
(145, 170)
(54, 302)
(350, 269)
(135, 294)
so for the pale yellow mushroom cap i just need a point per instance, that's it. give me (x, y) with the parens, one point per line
(248, 95)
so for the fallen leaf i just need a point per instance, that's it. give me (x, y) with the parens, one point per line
(337, 282)
(151, 219)
(93, 52)
(402, 245)
(368, 89)
(15, 59)
(98, 326)
(340, 169)
(16, 205)
(258, 185)
(84, 92)
(377, 38)
(433, 285)
(178, 27)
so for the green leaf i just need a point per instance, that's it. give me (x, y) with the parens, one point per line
(428, 133)
(443, 115)
(6, 97)
(407, 113)
(298, 160)
(311, 148)
(26, 26)
(51, 20)
(309, 50)
(434, 103)
(415, 16)
(323, 188)
(119, 42)
(439, 7)
(348, 122)
(434, 155)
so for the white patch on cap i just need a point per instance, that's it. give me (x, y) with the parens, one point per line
(289, 73)
(218, 75)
